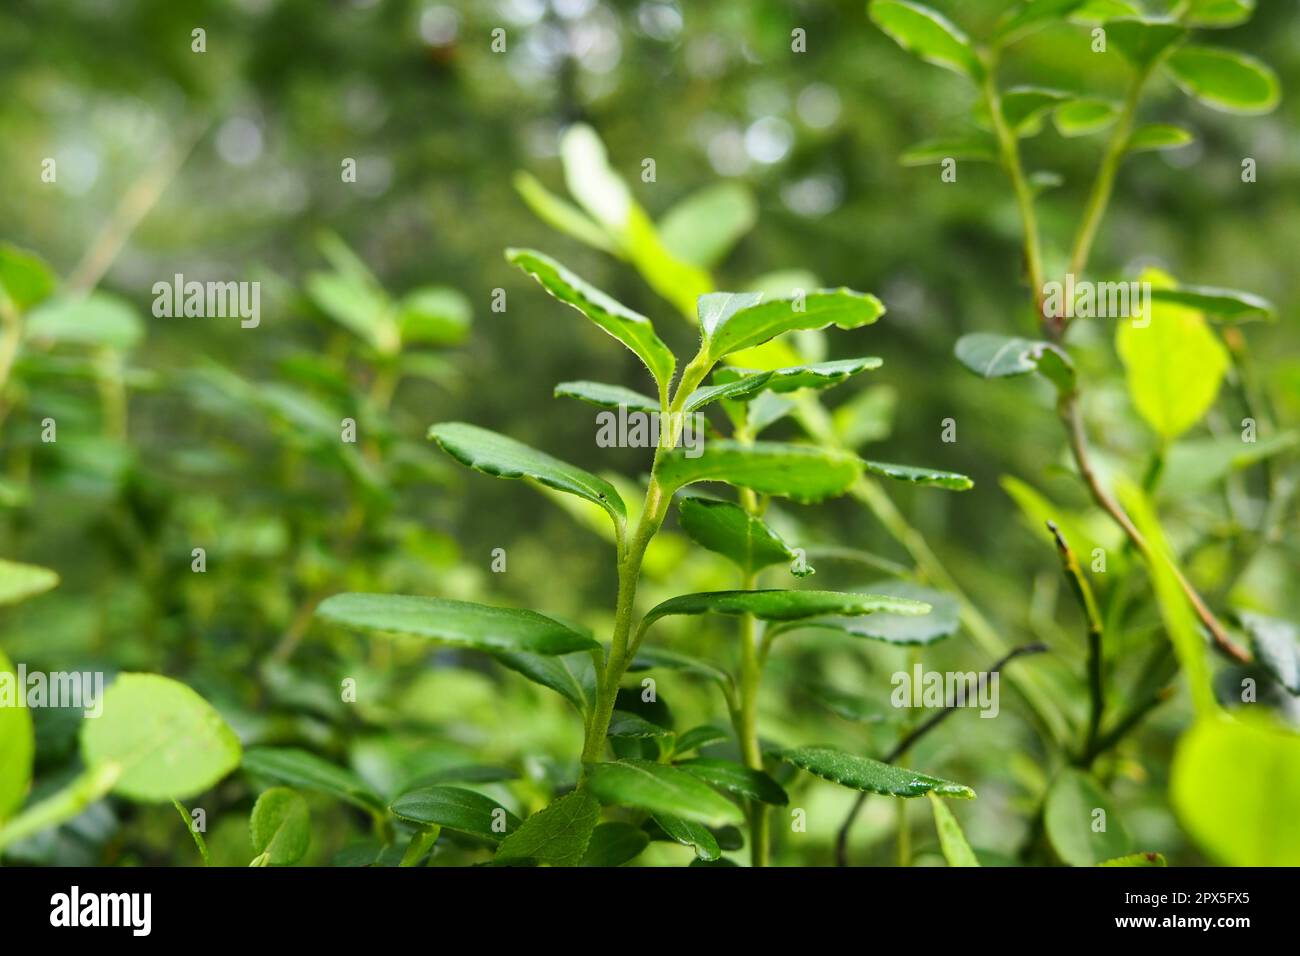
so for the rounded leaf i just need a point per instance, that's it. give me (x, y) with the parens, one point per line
(280, 827)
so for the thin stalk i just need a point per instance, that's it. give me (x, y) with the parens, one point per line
(64, 805)
(421, 842)
(198, 837)
(1092, 614)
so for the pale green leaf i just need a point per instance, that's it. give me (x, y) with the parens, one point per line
(1081, 822)
(927, 34)
(804, 473)
(18, 581)
(280, 827)
(951, 840)
(1225, 80)
(703, 227)
(660, 789)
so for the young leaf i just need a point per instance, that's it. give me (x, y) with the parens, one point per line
(951, 840)
(1174, 366)
(1218, 14)
(613, 844)
(631, 328)
(1142, 42)
(168, 742)
(732, 321)
(1277, 647)
(17, 744)
(1084, 116)
(459, 623)
(18, 582)
(557, 835)
(702, 228)
(976, 148)
(503, 457)
(804, 473)
(778, 605)
(1228, 305)
(591, 180)
(306, 771)
(1225, 80)
(280, 827)
(1081, 822)
(572, 676)
(691, 834)
(732, 532)
(905, 628)
(456, 809)
(562, 215)
(863, 773)
(608, 396)
(926, 34)
(660, 789)
(736, 778)
(929, 477)
(1158, 136)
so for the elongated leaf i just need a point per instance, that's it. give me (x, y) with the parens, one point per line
(608, 396)
(169, 742)
(1081, 822)
(561, 214)
(1225, 79)
(648, 658)
(901, 628)
(306, 771)
(613, 844)
(951, 840)
(631, 328)
(730, 322)
(1158, 136)
(1229, 305)
(1174, 364)
(456, 809)
(592, 181)
(691, 834)
(1193, 466)
(736, 778)
(779, 605)
(1030, 15)
(802, 472)
(622, 723)
(1136, 859)
(730, 385)
(698, 737)
(863, 773)
(927, 34)
(660, 789)
(557, 835)
(97, 319)
(975, 147)
(503, 457)
(280, 827)
(459, 623)
(930, 477)
(1277, 647)
(572, 676)
(17, 742)
(434, 315)
(1143, 41)
(18, 582)
(1082, 117)
(729, 530)
(1218, 14)
(702, 228)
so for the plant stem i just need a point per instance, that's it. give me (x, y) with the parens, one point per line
(64, 805)
(1092, 614)
(421, 841)
(198, 837)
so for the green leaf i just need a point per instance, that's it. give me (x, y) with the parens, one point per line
(1218, 14)
(608, 396)
(698, 737)
(631, 328)
(1225, 80)
(1277, 647)
(1158, 136)
(572, 676)
(648, 658)
(306, 771)
(503, 457)
(1081, 822)
(1023, 107)
(863, 773)
(280, 827)
(561, 214)
(557, 835)
(1196, 465)
(1141, 41)
(613, 844)
(997, 356)
(906, 627)
(926, 34)
(1030, 15)
(168, 742)
(731, 384)
(727, 529)
(660, 789)
(24, 277)
(951, 840)
(689, 833)
(625, 724)
(804, 473)
(18, 582)
(355, 301)
(96, 319)
(784, 606)
(1234, 786)
(732, 321)
(434, 315)
(975, 147)
(820, 375)
(930, 477)
(679, 282)
(702, 228)
(736, 778)
(459, 623)
(1174, 366)
(456, 808)
(17, 742)
(592, 181)
(1136, 859)
(1228, 305)
(1082, 117)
